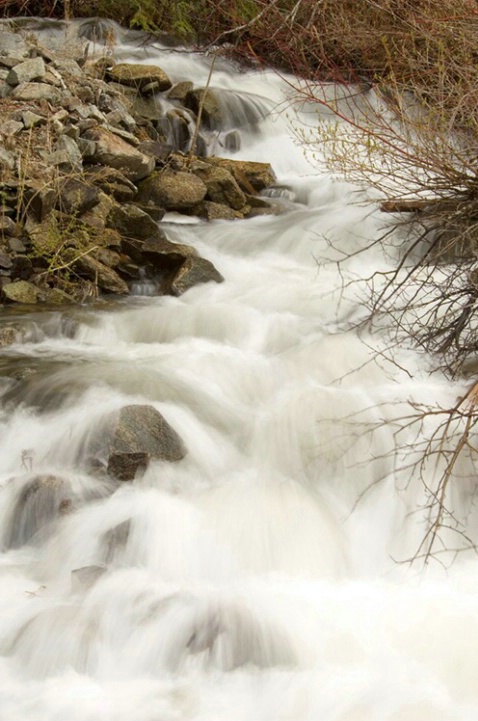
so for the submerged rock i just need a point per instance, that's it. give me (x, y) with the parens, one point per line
(139, 434)
(42, 500)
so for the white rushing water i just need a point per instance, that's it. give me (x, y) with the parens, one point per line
(261, 577)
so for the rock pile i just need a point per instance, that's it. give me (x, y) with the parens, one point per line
(87, 175)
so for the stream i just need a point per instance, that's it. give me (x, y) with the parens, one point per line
(266, 576)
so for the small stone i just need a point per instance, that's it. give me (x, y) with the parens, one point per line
(37, 91)
(66, 154)
(5, 261)
(32, 120)
(33, 69)
(7, 226)
(15, 245)
(12, 45)
(10, 127)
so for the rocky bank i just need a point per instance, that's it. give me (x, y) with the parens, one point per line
(89, 165)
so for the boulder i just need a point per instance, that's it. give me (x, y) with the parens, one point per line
(131, 221)
(212, 113)
(193, 272)
(251, 176)
(138, 434)
(22, 292)
(115, 152)
(221, 185)
(106, 278)
(113, 182)
(139, 75)
(37, 92)
(12, 46)
(171, 190)
(33, 69)
(39, 200)
(164, 255)
(77, 197)
(66, 154)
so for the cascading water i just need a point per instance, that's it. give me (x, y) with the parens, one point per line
(258, 579)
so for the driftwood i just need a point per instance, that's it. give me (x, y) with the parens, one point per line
(405, 206)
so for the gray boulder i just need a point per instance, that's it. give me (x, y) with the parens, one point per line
(33, 69)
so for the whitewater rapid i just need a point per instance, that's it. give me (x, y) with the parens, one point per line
(264, 577)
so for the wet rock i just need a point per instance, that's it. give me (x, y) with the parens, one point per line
(33, 69)
(131, 221)
(140, 434)
(9, 334)
(139, 75)
(115, 539)
(178, 129)
(22, 292)
(164, 255)
(232, 141)
(117, 153)
(76, 197)
(180, 90)
(193, 272)
(84, 578)
(171, 190)
(212, 114)
(42, 500)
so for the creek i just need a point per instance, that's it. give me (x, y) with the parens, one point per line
(264, 577)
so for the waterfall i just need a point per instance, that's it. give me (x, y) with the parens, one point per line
(265, 576)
